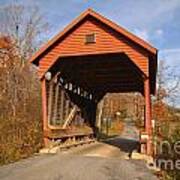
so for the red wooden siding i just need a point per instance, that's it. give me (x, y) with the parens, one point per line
(106, 41)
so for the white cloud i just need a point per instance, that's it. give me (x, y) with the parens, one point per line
(171, 58)
(148, 35)
(142, 34)
(159, 32)
(141, 14)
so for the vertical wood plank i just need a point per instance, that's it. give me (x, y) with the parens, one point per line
(44, 104)
(148, 126)
(56, 104)
(44, 111)
(99, 118)
(147, 106)
(50, 102)
(62, 106)
(67, 110)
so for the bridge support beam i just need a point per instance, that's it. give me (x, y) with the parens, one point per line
(148, 126)
(44, 110)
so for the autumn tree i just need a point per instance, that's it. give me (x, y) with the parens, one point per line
(25, 25)
(22, 30)
(164, 112)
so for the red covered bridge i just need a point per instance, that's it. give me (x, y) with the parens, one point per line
(90, 57)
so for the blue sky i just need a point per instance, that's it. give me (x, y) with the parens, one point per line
(157, 21)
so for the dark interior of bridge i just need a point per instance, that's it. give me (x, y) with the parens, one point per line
(86, 79)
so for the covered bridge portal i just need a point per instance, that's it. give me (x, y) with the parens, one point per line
(90, 57)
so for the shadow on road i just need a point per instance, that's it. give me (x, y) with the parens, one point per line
(124, 144)
(127, 141)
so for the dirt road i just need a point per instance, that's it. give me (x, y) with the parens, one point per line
(100, 160)
(95, 161)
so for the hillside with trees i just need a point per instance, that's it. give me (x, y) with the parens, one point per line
(20, 97)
